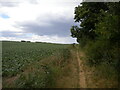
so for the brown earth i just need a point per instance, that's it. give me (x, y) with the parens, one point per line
(82, 76)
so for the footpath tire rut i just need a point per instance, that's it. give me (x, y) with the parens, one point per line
(82, 79)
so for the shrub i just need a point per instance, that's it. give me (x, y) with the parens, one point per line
(99, 51)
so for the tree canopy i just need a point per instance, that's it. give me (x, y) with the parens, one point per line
(92, 16)
(99, 31)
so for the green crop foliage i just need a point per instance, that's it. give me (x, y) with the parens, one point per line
(17, 55)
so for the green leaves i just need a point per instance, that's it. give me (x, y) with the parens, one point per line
(88, 14)
(99, 30)
(17, 55)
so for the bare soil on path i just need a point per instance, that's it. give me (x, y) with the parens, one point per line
(82, 78)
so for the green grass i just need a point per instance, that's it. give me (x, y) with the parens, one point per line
(32, 65)
(16, 55)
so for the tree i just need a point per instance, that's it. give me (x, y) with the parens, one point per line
(99, 31)
(88, 14)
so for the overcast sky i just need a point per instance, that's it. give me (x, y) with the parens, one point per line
(37, 20)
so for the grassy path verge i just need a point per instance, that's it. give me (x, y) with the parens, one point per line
(101, 76)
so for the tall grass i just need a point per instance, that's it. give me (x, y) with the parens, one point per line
(104, 57)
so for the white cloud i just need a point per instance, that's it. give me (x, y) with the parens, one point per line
(37, 11)
(8, 25)
(54, 39)
(28, 11)
(45, 38)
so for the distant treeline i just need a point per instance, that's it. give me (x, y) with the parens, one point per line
(30, 41)
(25, 41)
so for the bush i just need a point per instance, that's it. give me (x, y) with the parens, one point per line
(99, 51)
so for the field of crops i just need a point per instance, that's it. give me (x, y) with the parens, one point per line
(17, 56)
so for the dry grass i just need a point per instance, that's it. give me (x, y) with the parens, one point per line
(96, 77)
(69, 78)
(64, 72)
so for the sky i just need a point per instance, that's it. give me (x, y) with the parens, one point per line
(37, 20)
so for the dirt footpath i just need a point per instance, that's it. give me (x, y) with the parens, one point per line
(82, 78)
